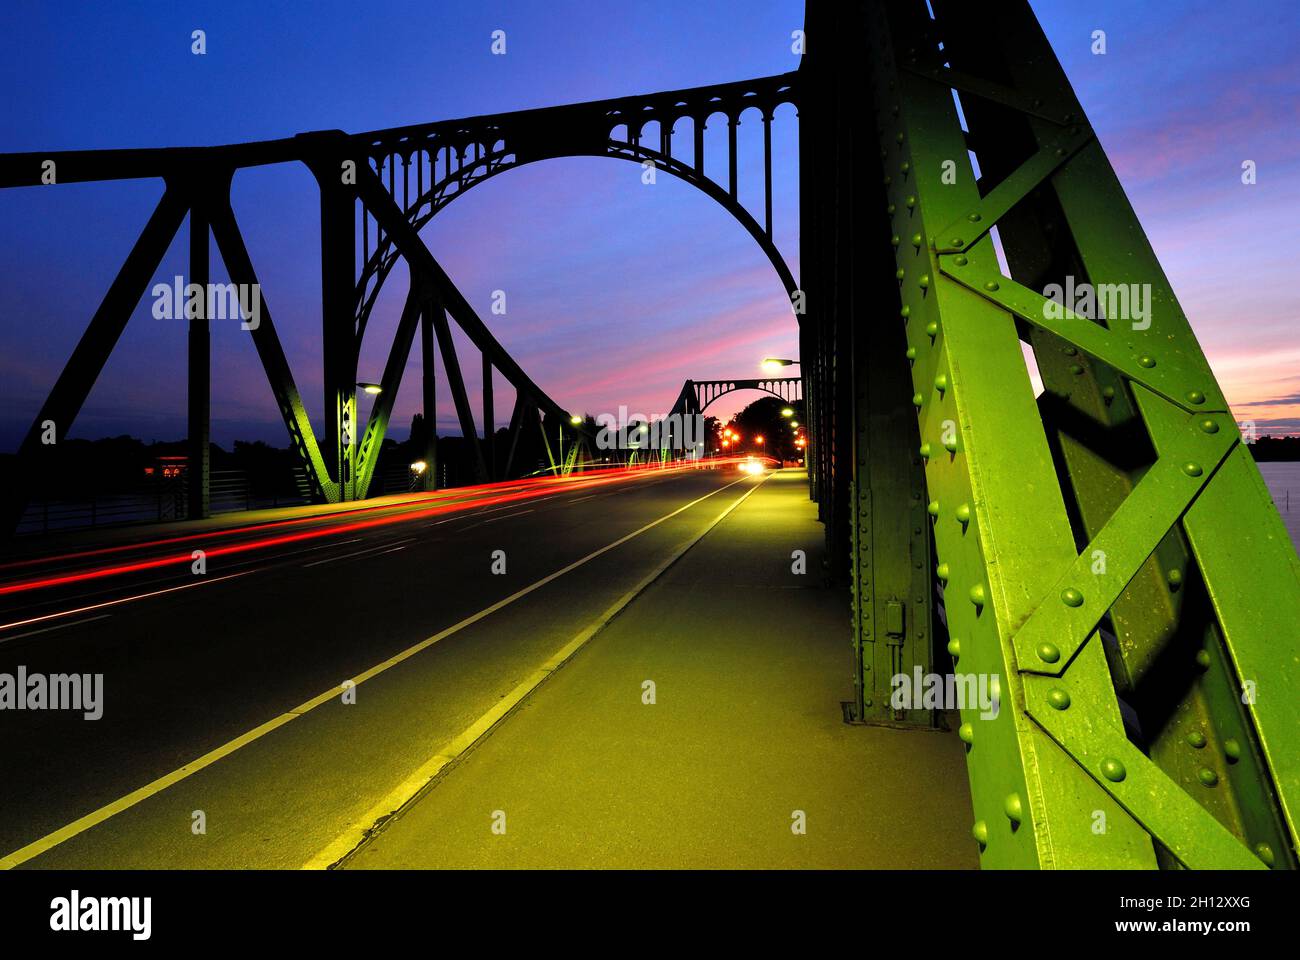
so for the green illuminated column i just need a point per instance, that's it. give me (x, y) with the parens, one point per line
(1107, 552)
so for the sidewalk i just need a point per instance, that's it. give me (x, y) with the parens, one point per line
(745, 730)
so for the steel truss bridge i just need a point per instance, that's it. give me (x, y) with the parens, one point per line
(1107, 551)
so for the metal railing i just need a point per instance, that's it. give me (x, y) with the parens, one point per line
(158, 501)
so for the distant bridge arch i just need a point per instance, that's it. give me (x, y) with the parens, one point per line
(697, 395)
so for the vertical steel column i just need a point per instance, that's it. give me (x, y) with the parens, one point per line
(199, 406)
(516, 428)
(767, 173)
(338, 325)
(429, 394)
(872, 495)
(489, 420)
(732, 123)
(809, 258)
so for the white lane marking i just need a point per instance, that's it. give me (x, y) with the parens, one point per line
(495, 519)
(356, 553)
(96, 817)
(315, 549)
(580, 499)
(471, 514)
(480, 513)
(57, 626)
(361, 829)
(114, 603)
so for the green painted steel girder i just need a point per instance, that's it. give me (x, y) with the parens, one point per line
(1107, 554)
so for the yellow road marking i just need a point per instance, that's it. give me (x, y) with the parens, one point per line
(410, 789)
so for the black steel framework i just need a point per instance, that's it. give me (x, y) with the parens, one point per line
(377, 190)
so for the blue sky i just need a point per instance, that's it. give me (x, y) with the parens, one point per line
(617, 291)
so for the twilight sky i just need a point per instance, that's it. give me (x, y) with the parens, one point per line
(617, 291)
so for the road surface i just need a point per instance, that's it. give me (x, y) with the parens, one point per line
(229, 736)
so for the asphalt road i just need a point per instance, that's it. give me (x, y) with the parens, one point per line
(222, 702)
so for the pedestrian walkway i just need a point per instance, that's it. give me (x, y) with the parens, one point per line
(746, 664)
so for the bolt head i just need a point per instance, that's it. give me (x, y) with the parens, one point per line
(1013, 808)
(1113, 770)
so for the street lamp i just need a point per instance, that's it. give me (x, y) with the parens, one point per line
(787, 412)
(371, 388)
(575, 420)
(774, 364)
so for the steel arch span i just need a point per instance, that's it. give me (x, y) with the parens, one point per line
(427, 166)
